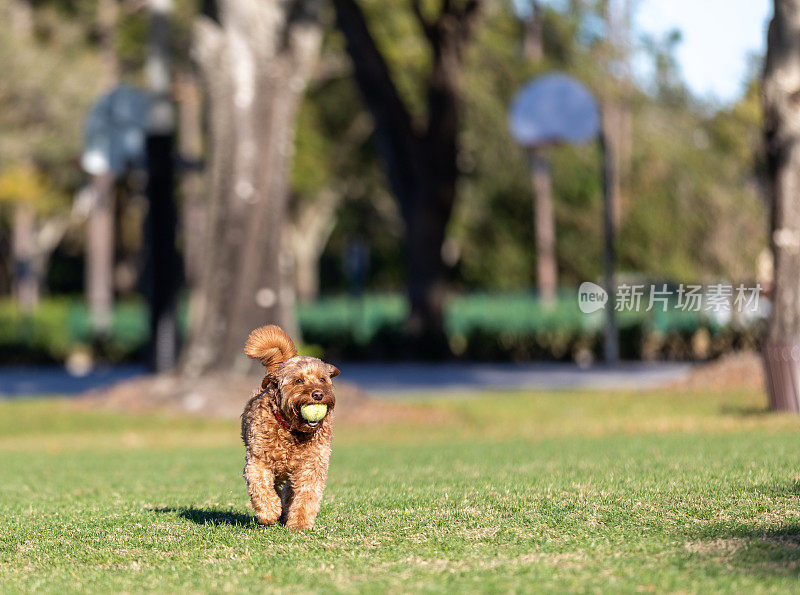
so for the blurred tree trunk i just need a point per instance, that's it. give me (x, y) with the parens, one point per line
(27, 279)
(100, 225)
(314, 218)
(255, 62)
(782, 135)
(312, 225)
(107, 16)
(25, 284)
(541, 177)
(193, 210)
(33, 240)
(22, 18)
(533, 36)
(616, 99)
(421, 164)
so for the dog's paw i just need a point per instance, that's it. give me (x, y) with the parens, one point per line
(300, 520)
(267, 519)
(300, 524)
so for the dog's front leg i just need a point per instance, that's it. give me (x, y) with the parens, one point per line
(308, 485)
(261, 486)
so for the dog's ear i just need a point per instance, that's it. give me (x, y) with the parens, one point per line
(269, 378)
(331, 370)
(271, 346)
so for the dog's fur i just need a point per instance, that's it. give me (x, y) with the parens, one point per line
(286, 460)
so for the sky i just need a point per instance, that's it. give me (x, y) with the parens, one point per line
(718, 37)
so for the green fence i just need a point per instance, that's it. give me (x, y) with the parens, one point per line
(485, 326)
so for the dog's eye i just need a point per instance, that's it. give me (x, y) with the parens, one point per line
(299, 381)
(322, 379)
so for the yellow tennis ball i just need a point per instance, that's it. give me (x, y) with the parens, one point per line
(313, 412)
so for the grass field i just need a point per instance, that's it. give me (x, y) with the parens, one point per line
(678, 491)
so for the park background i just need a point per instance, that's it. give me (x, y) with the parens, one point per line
(345, 169)
(688, 205)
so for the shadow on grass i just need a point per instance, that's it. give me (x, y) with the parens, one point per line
(753, 550)
(742, 411)
(762, 546)
(779, 490)
(202, 516)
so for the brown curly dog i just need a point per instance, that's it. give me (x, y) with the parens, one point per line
(286, 460)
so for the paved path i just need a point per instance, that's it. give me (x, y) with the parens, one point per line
(399, 378)
(55, 380)
(382, 379)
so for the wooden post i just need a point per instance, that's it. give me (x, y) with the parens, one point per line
(610, 334)
(100, 256)
(544, 226)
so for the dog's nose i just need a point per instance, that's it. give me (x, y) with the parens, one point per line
(317, 395)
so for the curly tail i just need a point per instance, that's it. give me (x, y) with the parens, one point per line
(270, 345)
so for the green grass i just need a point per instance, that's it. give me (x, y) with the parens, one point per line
(679, 491)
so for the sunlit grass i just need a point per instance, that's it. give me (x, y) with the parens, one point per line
(511, 491)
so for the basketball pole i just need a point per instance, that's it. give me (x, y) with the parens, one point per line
(163, 262)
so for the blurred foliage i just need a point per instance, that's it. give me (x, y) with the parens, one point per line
(691, 196)
(692, 209)
(60, 327)
(48, 78)
(479, 326)
(21, 182)
(692, 192)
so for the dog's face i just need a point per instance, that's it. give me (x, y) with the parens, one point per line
(304, 381)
